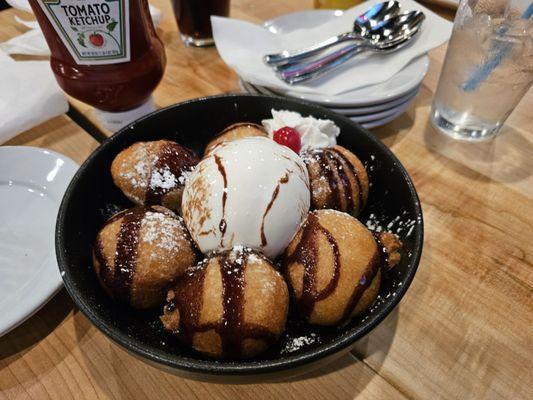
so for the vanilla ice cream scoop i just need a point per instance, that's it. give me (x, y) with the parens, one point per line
(251, 192)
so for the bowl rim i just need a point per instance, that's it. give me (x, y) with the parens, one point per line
(214, 367)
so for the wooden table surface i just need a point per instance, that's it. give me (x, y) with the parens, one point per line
(463, 330)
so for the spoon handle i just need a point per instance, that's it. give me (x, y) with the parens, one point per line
(286, 57)
(303, 72)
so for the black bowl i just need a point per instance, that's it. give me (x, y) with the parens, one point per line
(92, 197)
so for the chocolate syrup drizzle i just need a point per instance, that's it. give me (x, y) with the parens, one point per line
(371, 270)
(331, 160)
(231, 327)
(345, 162)
(177, 159)
(118, 279)
(306, 253)
(222, 224)
(275, 193)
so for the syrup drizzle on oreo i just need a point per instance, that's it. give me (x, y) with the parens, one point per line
(177, 159)
(338, 170)
(339, 166)
(334, 200)
(275, 193)
(118, 279)
(231, 327)
(222, 224)
(357, 179)
(306, 254)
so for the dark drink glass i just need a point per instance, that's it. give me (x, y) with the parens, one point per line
(194, 19)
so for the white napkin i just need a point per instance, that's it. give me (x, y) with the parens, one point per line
(23, 5)
(29, 95)
(33, 42)
(242, 45)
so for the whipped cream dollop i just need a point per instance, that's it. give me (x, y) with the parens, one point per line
(314, 133)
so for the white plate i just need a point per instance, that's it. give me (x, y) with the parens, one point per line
(378, 107)
(370, 120)
(386, 120)
(399, 85)
(300, 20)
(382, 114)
(256, 89)
(247, 87)
(32, 183)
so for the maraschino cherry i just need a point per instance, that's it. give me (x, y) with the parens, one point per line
(289, 137)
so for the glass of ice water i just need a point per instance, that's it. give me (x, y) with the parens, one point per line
(487, 70)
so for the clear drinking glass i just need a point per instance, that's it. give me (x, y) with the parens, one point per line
(487, 70)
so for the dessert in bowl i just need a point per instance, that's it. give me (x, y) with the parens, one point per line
(263, 280)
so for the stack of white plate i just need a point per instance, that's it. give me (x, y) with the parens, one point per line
(370, 106)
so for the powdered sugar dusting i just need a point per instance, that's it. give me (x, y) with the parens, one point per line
(140, 167)
(138, 176)
(193, 269)
(400, 225)
(238, 254)
(296, 343)
(253, 258)
(263, 277)
(184, 177)
(163, 178)
(161, 230)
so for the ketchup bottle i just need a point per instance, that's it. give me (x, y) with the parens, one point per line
(105, 53)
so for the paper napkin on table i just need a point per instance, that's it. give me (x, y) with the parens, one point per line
(32, 42)
(29, 95)
(242, 45)
(23, 5)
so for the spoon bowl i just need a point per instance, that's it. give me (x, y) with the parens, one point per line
(375, 17)
(397, 28)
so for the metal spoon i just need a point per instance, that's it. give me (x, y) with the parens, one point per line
(392, 36)
(363, 25)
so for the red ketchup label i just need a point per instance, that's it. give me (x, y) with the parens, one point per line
(94, 31)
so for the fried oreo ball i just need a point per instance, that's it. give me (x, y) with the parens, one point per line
(236, 131)
(139, 253)
(232, 305)
(333, 268)
(153, 173)
(338, 180)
